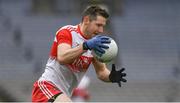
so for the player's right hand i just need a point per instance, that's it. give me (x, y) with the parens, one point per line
(97, 43)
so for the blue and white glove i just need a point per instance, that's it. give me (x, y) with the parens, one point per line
(97, 44)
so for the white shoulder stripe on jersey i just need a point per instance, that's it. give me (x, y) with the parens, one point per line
(68, 27)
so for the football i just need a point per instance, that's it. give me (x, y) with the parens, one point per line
(109, 54)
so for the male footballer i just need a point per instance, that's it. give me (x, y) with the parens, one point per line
(71, 55)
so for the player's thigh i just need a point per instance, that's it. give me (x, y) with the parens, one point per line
(62, 98)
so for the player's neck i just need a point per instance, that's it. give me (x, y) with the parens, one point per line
(83, 30)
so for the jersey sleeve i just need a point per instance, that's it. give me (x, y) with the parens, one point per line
(64, 36)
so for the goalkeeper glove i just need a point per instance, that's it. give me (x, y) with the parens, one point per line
(97, 44)
(117, 76)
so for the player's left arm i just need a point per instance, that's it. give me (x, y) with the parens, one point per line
(105, 75)
(102, 71)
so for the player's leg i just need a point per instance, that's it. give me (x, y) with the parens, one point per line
(62, 98)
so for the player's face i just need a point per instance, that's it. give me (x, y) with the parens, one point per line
(96, 26)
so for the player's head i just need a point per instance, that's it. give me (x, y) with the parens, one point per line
(93, 11)
(94, 18)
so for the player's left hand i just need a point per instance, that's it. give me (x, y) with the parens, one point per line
(117, 76)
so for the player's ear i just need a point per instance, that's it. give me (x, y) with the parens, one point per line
(86, 19)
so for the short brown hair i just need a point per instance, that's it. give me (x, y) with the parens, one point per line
(93, 11)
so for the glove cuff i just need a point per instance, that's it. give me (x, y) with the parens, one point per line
(85, 46)
(111, 78)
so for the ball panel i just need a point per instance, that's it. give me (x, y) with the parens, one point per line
(109, 54)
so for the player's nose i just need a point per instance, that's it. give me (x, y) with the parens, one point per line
(101, 30)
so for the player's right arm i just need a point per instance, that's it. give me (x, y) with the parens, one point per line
(66, 54)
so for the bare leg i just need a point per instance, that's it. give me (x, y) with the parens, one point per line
(62, 98)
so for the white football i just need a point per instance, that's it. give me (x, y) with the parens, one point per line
(109, 54)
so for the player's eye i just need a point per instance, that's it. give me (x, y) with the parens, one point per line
(99, 25)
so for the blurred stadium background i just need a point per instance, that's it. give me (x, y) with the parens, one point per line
(147, 33)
